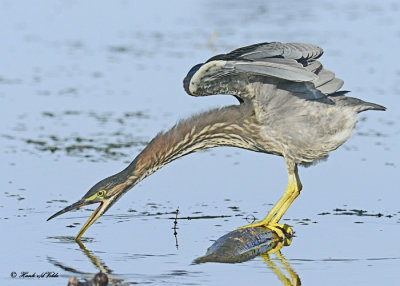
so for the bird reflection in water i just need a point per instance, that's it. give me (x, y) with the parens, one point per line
(292, 280)
(86, 275)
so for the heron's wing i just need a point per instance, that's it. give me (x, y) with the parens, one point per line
(288, 66)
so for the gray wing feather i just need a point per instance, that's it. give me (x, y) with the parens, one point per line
(296, 51)
(327, 83)
(324, 76)
(331, 86)
(314, 66)
(282, 71)
(283, 61)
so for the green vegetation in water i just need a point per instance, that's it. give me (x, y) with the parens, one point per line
(357, 212)
(114, 145)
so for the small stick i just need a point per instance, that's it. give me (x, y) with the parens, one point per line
(175, 227)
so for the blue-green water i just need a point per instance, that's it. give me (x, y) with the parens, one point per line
(84, 85)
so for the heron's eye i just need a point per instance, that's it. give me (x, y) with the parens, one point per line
(101, 193)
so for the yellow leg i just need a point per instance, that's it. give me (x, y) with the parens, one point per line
(275, 214)
(295, 192)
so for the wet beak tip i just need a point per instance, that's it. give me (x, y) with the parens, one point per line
(50, 218)
(53, 216)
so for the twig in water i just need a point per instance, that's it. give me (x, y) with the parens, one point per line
(201, 217)
(175, 227)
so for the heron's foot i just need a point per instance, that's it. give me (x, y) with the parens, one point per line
(282, 231)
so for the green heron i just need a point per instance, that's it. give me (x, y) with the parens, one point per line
(289, 105)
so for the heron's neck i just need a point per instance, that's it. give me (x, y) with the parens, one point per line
(228, 126)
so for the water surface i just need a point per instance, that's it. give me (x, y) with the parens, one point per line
(85, 85)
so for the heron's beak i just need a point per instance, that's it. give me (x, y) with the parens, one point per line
(104, 205)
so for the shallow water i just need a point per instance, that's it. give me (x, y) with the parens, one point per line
(85, 85)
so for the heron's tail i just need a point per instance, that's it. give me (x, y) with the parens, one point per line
(358, 104)
(369, 106)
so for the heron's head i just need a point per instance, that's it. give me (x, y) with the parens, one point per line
(105, 193)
